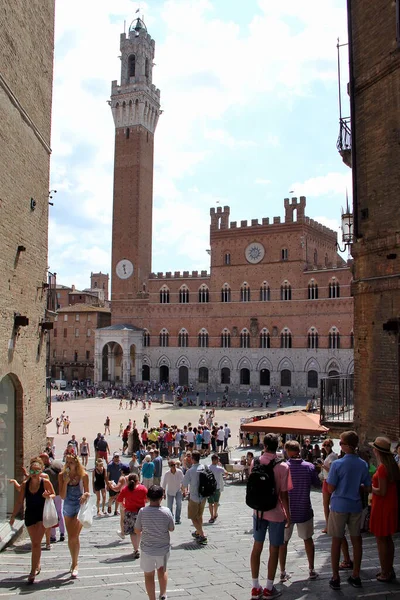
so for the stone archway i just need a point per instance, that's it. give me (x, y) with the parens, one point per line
(183, 375)
(164, 374)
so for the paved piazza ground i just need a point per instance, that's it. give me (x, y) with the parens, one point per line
(219, 570)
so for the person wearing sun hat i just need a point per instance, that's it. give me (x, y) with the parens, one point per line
(384, 510)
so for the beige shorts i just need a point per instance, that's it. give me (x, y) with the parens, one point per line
(337, 524)
(196, 509)
(149, 563)
(304, 530)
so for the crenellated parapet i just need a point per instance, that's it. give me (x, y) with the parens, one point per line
(219, 217)
(179, 275)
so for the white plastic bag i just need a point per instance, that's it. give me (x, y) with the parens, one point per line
(87, 511)
(50, 516)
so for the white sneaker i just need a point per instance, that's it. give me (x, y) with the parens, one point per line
(120, 535)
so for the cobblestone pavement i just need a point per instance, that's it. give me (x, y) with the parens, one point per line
(219, 570)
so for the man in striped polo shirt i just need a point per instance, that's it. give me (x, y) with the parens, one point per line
(304, 476)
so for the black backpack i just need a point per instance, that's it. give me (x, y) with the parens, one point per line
(207, 482)
(261, 494)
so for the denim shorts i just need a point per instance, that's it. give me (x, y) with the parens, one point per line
(276, 531)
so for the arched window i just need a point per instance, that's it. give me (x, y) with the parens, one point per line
(203, 339)
(334, 289)
(245, 293)
(334, 339)
(146, 68)
(286, 339)
(265, 377)
(227, 258)
(312, 379)
(313, 339)
(225, 376)
(315, 257)
(312, 290)
(203, 375)
(265, 294)
(225, 339)
(284, 254)
(226, 293)
(164, 338)
(286, 378)
(145, 373)
(131, 65)
(183, 339)
(244, 377)
(286, 291)
(245, 339)
(265, 340)
(164, 295)
(184, 295)
(146, 338)
(204, 294)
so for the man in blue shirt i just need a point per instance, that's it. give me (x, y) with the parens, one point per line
(346, 476)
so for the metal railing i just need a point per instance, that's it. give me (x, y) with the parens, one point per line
(344, 139)
(337, 399)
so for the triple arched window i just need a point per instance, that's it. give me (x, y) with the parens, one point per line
(245, 339)
(225, 339)
(183, 339)
(286, 291)
(312, 337)
(312, 290)
(265, 339)
(146, 338)
(184, 295)
(164, 295)
(265, 292)
(286, 338)
(226, 293)
(245, 292)
(334, 339)
(203, 339)
(334, 289)
(204, 294)
(164, 338)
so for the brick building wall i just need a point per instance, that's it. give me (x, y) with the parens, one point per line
(375, 85)
(26, 71)
(72, 341)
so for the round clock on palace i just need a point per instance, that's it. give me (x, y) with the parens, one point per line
(124, 269)
(254, 252)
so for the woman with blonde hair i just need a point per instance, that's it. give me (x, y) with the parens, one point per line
(384, 516)
(100, 482)
(34, 491)
(74, 490)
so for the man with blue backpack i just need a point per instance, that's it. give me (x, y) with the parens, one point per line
(267, 493)
(202, 484)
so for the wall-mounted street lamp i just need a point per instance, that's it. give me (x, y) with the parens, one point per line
(347, 227)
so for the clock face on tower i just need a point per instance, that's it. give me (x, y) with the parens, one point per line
(124, 269)
(254, 253)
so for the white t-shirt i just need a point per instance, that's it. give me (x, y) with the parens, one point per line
(220, 435)
(219, 475)
(327, 463)
(172, 482)
(190, 437)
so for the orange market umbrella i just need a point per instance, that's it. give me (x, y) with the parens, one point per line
(299, 422)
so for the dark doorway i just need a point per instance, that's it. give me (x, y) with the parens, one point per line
(286, 378)
(244, 377)
(183, 376)
(203, 375)
(145, 373)
(312, 379)
(265, 377)
(225, 376)
(164, 374)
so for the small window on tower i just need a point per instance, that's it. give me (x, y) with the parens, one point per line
(146, 68)
(131, 65)
(127, 133)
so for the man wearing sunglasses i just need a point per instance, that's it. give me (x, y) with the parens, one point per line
(346, 476)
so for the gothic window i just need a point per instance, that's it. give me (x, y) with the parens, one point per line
(132, 65)
(184, 295)
(226, 293)
(313, 339)
(245, 293)
(146, 68)
(284, 254)
(203, 375)
(265, 340)
(286, 378)
(146, 338)
(183, 339)
(227, 258)
(286, 339)
(164, 338)
(265, 294)
(312, 379)
(334, 289)
(204, 294)
(312, 290)
(164, 295)
(203, 339)
(245, 339)
(225, 376)
(265, 377)
(244, 377)
(334, 339)
(286, 291)
(225, 339)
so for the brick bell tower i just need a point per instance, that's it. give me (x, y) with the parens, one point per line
(135, 105)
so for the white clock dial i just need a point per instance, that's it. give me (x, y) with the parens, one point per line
(254, 253)
(124, 269)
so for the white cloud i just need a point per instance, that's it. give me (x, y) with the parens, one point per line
(260, 181)
(226, 139)
(331, 183)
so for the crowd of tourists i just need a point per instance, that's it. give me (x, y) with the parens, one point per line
(166, 463)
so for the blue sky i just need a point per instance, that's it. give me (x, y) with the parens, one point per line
(250, 98)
